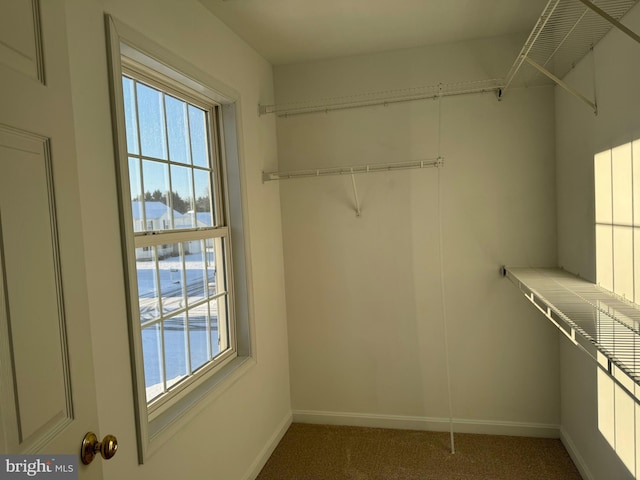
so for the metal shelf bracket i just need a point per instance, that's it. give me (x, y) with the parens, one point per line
(623, 28)
(355, 193)
(562, 84)
(563, 35)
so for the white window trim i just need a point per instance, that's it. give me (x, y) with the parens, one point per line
(125, 43)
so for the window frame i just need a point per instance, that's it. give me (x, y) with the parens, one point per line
(128, 48)
(159, 238)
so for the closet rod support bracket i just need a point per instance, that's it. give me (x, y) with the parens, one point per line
(355, 193)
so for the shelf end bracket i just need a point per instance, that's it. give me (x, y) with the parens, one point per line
(355, 193)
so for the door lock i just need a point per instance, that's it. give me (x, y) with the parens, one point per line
(91, 446)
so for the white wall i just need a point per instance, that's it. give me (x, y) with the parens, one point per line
(580, 135)
(231, 433)
(366, 334)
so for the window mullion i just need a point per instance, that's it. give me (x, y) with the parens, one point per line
(166, 140)
(143, 208)
(208, 330)
(215, 187)
(193, 179)
(157, 275)
(185, 296)
(164, 358)
(207, 266)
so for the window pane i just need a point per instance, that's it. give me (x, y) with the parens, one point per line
(177, 130)
(151, 117)
(182, 197)
(211, 267)
(214, 329)
(202, 179)
(147, 284)
(622, 185)
(156, 189)
(221, 320)
(152, 353)
(131, 123)
(135, 187)
(198, 336)
(221, 277)
(199, 140)
(196, 272)
(175, 348)
(171, 277)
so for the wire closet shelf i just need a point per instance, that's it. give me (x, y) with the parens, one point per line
(565, 32)
(602, 324)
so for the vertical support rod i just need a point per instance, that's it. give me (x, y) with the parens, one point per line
(444, 314)
(442, 289)
(355, 193)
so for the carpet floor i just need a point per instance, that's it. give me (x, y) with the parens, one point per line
(321, 452)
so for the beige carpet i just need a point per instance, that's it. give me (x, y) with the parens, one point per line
(318, 452)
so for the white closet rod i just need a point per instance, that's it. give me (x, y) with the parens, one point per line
(352, 170)
(382, 98)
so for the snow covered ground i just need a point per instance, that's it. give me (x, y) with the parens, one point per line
(181, 288)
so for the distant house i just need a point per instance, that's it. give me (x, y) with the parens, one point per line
(158, 217)
(202, 219)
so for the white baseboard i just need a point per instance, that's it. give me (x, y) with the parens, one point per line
(578, 460)
(254, 469)
(488, 427)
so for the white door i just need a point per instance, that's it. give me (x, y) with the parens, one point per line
(47, 390)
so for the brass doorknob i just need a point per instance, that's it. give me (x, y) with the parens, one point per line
(90, 446)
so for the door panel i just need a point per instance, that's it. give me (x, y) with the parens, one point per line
(20, 46)
(47, 385)
(33, 318)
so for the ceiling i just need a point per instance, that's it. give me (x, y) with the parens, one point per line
(293, 31)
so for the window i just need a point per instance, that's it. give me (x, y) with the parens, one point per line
(183, 289)
(183, 230)
(617, 225)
